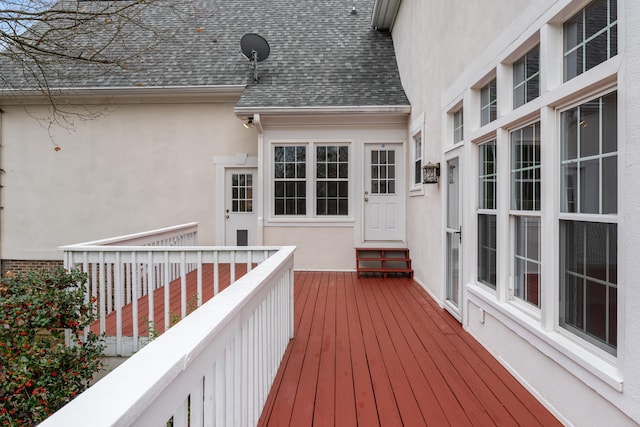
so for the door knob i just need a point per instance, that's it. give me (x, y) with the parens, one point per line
(366, 199)
(226, 216)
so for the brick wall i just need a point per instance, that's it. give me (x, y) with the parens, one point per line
(22, 266)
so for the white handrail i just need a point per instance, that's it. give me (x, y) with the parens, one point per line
(123, 275)
(209, 369)
(182, 235)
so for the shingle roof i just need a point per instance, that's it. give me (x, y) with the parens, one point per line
(321, 54)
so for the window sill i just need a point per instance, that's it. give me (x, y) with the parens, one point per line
(575, 358)
(309, 222)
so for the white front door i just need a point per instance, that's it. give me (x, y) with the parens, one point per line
(240, 207)
(383, 197)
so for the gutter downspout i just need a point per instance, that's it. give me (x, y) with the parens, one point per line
(260, 226)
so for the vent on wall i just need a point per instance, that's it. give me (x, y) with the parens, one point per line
(242, 238)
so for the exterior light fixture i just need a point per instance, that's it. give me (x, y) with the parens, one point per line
(430, 173)
(249, 123)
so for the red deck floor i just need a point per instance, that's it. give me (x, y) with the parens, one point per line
(381, 352)
(378, 352)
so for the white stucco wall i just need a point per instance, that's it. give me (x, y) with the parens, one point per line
(444, 49)
(629, 276)
(317, 248)
(434, 42)
(137, 167)
(326, 242)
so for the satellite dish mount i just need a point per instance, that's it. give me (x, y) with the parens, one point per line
(256, 49)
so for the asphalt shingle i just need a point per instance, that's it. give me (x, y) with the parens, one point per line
(321, 54)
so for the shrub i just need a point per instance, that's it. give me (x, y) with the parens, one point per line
(39, 373)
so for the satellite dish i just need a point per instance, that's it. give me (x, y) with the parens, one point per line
(256, 49)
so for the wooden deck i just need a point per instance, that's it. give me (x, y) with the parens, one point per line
(159, 311)
(377, 352)
(380, 352)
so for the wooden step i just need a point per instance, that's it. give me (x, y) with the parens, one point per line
(383, 261)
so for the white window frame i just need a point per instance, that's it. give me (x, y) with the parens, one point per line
(459, 112)
(586, 360)
(416, 133)
(491, 104)
(527, 78)
(600, 218)
(514, 215)
(311, 217)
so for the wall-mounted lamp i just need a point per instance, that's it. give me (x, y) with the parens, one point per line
(430, 173)
(249, 123)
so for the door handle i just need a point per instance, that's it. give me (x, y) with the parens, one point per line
(226, 216)
(366, 199)
(459, 233)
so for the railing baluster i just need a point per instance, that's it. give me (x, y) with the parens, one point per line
(196, 415)
(151, 314)
(134, 299)
(220, 382)
(183, 285)
(229, 372)
(232, 266)
(103, 296)
(109, 270)
(245, 333)
(209, 404)
(216, 273)
(167, 296)
(180, 416)
(199, 284)
(118, 290)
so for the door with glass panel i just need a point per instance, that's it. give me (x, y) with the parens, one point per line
(383, 193)
(453, 237)
(240, 214)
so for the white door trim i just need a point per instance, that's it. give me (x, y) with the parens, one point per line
(457, 152)
(400, 190)
(241, 160)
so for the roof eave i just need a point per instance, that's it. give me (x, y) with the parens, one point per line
(244, 112)
(384, 14)
(125, 91)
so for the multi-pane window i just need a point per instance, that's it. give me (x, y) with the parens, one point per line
(383, 171)
(290, 180)
(525, 168)
(526, 78)
(458, 126)
(417, 158)
(525, 208)
(487, 231)
(488, 103)
(242, 192)
(590, 37)
(589, 157)
(588, 246)
(332, 180)
(488, 175)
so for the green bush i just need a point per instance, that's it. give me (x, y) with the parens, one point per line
(39, 373)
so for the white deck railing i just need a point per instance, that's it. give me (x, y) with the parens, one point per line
(214, 368)
(125, 269)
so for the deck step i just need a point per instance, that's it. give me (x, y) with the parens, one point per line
(383, 261)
